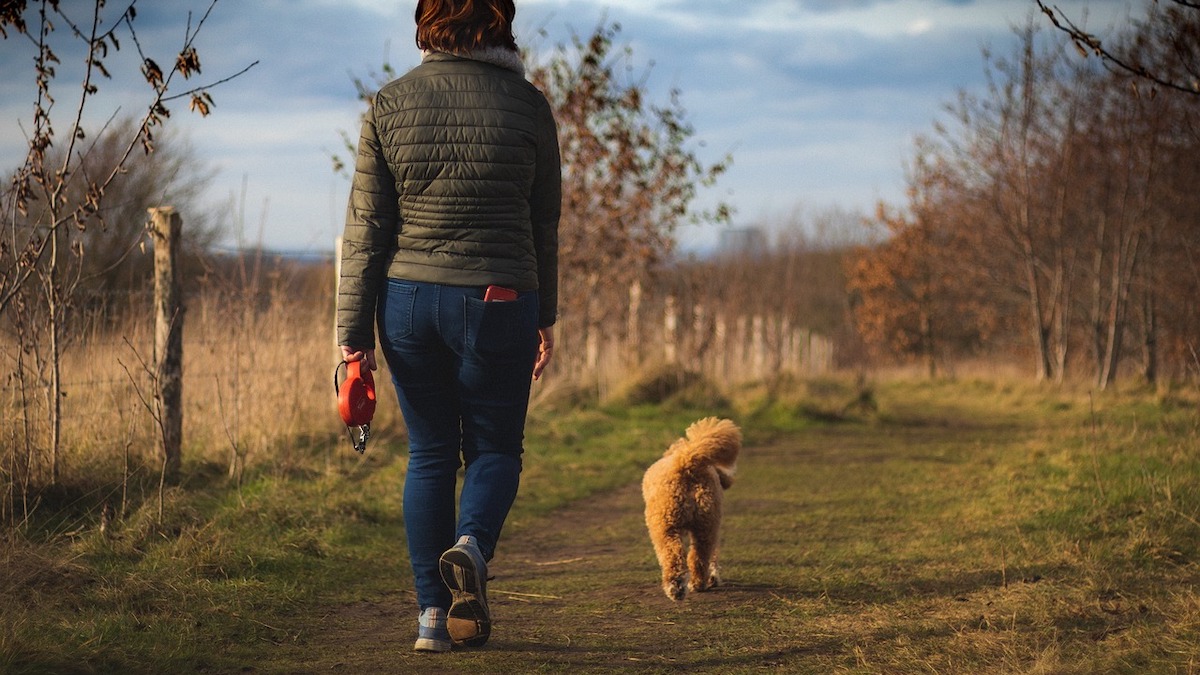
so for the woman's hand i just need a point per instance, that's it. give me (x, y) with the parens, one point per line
(351, 354)
(545, 350)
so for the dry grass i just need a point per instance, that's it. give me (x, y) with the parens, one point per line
(886, 524)
(258, 388)
(960, 527)
(258, 385)
(957, 530)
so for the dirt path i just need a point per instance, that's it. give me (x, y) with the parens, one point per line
(942, 538)
(575, 593)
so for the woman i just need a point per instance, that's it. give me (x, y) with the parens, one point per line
(451, 248)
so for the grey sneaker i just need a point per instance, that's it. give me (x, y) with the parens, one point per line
(432, 635)
(465, 573)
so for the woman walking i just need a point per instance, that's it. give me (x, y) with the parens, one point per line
(451, 250)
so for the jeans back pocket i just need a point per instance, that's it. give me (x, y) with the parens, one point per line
(501, 328)
(396, 310)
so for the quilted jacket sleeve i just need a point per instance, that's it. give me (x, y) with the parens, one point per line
(545, 207)
(372, 218)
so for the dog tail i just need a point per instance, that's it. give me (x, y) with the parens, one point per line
(710, 441)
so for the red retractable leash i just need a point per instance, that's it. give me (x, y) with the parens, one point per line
(356, 401)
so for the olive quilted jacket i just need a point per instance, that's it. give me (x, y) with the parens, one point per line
(456, 182)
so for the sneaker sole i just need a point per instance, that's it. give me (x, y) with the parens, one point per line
(468, 621)
(431, 645)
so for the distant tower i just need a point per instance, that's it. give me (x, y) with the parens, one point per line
(747, 241)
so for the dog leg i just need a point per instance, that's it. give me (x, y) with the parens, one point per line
(714, 577)
(668, 546)
(702, 563)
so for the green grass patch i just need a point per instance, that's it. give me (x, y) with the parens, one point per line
(892, 526)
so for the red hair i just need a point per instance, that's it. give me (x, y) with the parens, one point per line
(457, 26)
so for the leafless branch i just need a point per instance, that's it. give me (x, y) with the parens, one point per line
(206, 87)
(1088, 43)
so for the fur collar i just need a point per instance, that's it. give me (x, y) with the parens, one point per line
(509, 59)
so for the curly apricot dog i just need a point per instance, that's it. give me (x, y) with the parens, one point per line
(683, 492)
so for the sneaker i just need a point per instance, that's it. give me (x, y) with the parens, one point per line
(465, 573)
(432, 635)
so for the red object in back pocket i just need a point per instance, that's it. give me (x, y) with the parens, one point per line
(499, 294)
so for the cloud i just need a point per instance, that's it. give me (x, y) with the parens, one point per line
(817, 99)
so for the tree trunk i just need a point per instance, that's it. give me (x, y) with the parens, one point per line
(1150, 339)
(1121, 280)
(1038, 330)
(54, 310)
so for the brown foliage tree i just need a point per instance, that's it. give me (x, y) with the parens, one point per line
(1065, 194)
(917, 295)
(629, 175)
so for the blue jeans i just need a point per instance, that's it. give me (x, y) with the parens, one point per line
(462, 370)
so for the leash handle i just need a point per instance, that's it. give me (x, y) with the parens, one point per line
(356, 401)
(337, 386)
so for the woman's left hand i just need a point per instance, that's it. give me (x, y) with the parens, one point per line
(545, 350)
(351, 354)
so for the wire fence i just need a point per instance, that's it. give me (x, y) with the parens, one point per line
(258, 362)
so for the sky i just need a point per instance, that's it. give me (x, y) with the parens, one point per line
(818, 102)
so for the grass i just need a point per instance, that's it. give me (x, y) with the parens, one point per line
(909, 526)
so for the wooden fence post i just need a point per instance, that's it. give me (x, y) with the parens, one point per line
(591, 325)
(721, 347)
(758, 346)
(633, 328)
(670, 331)
(165, 227)
(700, 341)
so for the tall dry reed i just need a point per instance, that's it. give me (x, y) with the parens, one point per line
(258, 374)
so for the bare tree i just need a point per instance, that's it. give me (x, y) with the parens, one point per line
(173, 174)
(1127, 206)
(1011, 158)
(58, 193)
(629, 173)
(1122, 214)
(1070, 197)
(1165, 50)
(37, 207)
